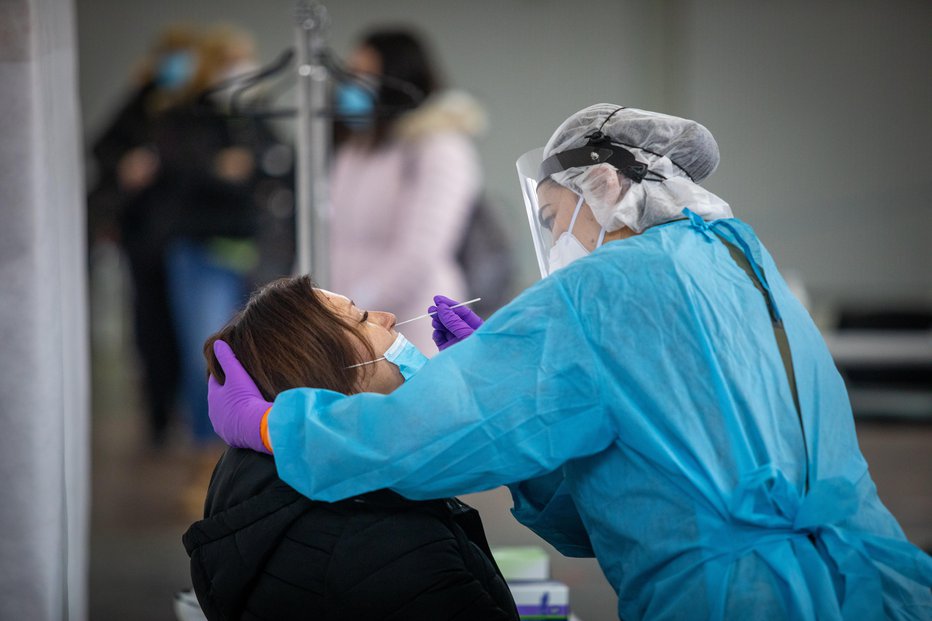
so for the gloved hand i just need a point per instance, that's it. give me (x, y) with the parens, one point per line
(236, 407)
(452, 325)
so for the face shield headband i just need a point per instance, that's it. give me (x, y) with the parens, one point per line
(598, 150)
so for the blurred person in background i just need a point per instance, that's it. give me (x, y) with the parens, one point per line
(193, 189)
(216, 163)
(125, 205)
(405, 179)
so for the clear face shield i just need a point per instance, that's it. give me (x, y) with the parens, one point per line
(533, 170)
(528, 169)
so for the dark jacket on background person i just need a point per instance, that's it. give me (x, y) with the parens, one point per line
(264, 551)
(187, 198)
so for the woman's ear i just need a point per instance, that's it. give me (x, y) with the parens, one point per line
(602, 185)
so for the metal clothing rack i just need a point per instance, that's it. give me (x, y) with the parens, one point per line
(316, 70)
(313, 139)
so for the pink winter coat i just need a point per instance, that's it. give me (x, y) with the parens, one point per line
(399, 212)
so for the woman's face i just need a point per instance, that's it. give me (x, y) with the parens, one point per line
(364, 60)
(379, 328)
(556, 212)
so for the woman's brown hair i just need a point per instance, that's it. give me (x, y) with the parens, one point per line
(288, 337)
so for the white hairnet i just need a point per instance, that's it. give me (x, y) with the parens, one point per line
(679, 150)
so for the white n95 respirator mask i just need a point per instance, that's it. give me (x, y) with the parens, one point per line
(567, 247)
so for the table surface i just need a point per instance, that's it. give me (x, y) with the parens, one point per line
(856, 347)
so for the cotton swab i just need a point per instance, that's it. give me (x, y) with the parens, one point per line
(434, 313)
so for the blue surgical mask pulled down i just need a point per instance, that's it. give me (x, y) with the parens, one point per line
(568, 248)
(403, 354)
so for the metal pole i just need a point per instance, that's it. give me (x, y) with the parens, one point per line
(313, 143)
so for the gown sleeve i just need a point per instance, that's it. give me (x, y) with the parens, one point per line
(515, 401)
(545, 505)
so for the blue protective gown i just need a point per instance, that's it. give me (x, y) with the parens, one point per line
(637, 404)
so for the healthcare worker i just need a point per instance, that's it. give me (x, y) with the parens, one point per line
(659, 400)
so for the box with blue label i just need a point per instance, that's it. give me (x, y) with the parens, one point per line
(541, 600)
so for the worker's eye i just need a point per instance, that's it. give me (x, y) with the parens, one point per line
(545, 217)
(365, 317)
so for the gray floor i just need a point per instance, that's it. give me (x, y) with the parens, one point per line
(143, 501)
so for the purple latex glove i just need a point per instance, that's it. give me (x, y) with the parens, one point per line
(452, 325)
(236, 407)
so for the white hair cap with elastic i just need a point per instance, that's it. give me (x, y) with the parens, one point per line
(678, 153)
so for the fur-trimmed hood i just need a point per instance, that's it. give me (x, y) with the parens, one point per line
(444, 111)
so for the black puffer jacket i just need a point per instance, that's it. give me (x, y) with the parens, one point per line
(266, 552)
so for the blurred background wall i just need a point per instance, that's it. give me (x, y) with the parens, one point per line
(820, 111)
(819, 108)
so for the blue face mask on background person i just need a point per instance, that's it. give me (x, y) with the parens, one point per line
(356, 103)
(175, 70)
(403, 354)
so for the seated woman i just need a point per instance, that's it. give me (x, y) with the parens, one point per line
(264, 551)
